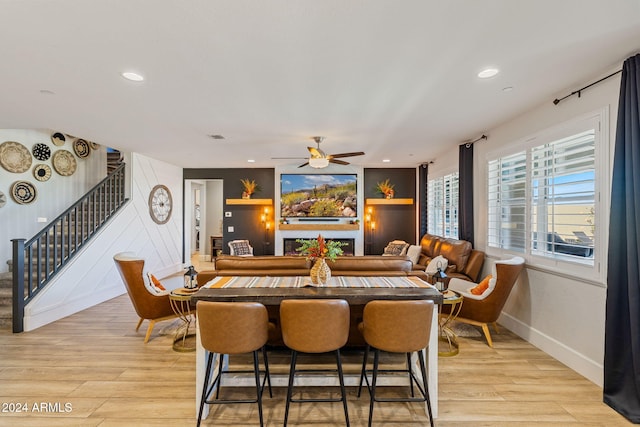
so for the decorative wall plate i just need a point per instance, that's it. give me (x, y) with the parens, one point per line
(81, 147)
(3, 199)
(23, 192)
(64, 163)
(42, 172)
(58, 139)
(41, 152)
(15, 157)
(93, 145)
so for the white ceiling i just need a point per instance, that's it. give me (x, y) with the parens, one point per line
(396, 79)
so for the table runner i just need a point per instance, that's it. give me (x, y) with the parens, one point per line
(305, 281)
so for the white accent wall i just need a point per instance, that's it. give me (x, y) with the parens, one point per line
(92, 278)
(562, 315)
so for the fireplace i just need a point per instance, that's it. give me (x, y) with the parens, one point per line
(290, 245)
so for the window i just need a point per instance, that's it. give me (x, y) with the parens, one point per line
(442, 206)
(544, 199)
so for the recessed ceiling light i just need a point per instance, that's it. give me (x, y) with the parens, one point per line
(488, 73)
(507, 89)
(47, 92)
(385, 160)
(216, 136)
(251, 161)
(134, 77)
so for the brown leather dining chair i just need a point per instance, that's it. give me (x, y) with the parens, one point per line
(228, 328)
(152, 307)
(396, 327)
(315, 326)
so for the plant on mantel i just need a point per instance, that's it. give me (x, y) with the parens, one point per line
(385, 188)
(250, 187)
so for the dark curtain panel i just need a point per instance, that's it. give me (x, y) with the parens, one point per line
(622, 328)
(423, 176)
(465, 200)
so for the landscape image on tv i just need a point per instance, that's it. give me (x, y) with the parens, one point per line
(318, 195)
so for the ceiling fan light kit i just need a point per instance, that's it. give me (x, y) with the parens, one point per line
(318, 162)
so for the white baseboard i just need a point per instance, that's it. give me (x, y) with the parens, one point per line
(590, 369)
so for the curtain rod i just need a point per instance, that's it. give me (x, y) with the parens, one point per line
(468, 143)
(579, 91)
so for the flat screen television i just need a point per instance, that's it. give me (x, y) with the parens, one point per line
(320, 195)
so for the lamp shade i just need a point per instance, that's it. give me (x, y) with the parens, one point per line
(318, 162)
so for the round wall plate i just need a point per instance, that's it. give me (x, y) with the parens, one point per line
(81, 147)
(58, 139)
(23, 192)
(3, 199)
(41, 152)
(64, 162)
(15, 157)
(42, 172)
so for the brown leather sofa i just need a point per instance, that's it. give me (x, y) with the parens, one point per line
(369, 265)
(464, 261)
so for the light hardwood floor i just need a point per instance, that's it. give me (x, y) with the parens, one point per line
(95, 362)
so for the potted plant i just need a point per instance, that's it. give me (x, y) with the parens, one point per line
(249, 187)
(385, 188)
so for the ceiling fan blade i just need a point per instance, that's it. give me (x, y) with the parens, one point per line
(355, 153)
(316, 152)
(303, 165)
(338, 162)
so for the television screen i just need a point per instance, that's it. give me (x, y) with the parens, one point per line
(318, 195)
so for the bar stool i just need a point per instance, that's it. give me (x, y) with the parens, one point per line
(233, 328)
(396, 327)
(315, 326)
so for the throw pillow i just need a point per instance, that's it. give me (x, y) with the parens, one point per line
(241, 248)
(481, 287)
(396, 248)
(414, 253)
(155, 283)
(438, 262)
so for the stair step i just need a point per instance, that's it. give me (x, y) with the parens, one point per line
(6, 316)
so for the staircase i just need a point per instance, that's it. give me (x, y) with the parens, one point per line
(6, 285)
(40, 258)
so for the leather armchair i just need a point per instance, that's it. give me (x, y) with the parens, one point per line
(155, 308)
(482, 311)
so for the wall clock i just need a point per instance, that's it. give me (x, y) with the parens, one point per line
(160, 204)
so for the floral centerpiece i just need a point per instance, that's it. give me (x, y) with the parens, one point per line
(317, 250)
(314, 249)
(249, 187)
(385, 188)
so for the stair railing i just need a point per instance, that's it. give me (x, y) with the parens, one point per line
(38, 260)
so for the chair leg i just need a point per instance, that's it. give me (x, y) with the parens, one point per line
(372, 389)
(219, 378)
(292, 369)
(139, 323)
(363, 373)
(495, 327)
(152, 323)
(256, 370)
(487, 334)
(342, 389)
(410, 369)
(426, 385)
(266, 369)
(207, 376)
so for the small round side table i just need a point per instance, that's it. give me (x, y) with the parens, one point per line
(447, 336)
(180, 300)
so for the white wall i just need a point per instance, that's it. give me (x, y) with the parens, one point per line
(563, 316)
(91, 277)
(53, 196)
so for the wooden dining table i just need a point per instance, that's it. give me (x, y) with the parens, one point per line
(356, 290)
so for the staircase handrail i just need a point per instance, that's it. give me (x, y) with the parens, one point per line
(27, 283)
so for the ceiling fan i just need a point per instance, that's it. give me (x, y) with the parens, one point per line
(319, 159)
